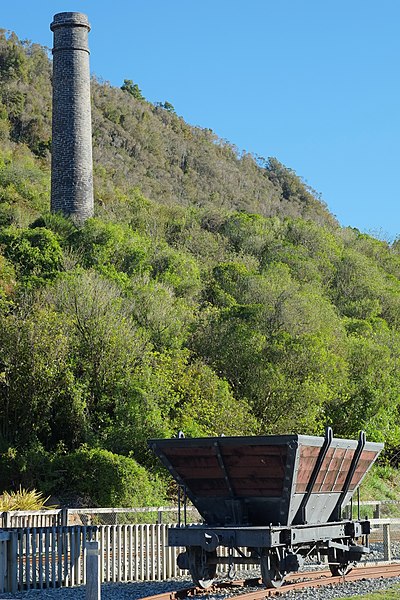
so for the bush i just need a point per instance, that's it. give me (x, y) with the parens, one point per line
(34, 252)
(31, 468)
(100, 478)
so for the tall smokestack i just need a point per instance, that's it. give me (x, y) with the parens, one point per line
(71, 164)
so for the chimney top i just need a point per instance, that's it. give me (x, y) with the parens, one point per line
(70, 19)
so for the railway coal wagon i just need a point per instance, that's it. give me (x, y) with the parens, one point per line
(278, 497)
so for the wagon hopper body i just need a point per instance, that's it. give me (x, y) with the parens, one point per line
(279, 496)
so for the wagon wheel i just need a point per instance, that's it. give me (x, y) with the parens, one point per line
(338, 565)
(271, 574)
(202, 571)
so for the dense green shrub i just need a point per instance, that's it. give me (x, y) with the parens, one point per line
(36, 253)
(100, 478)
(29, 468)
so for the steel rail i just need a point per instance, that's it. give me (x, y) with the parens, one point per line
(295, 581)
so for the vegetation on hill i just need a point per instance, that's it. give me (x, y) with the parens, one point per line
(212, 293)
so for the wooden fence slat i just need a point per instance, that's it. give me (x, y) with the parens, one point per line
(72, 562)
(102, 549)
(111, 553)
(148, 551)
(163, 543)
(108, 553)
(136, 546)
(27, 557)
(40, 556)
(153, 550)
(59, 536)
(114, 552)
(125, 555)
(142, 551)
(66, 550)
(119, 553)
(130, 553)
(34, 555)
(53, 557)
(47, 557)
(82, 553)
(84, 538)
(20, 559)
(77, 555)
(158, 553)
(170, 562)
(78, 552)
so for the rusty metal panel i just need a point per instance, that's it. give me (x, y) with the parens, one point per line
(367, 458)
(334, 469)
(253, 470)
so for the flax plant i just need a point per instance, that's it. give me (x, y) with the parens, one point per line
(23, 499)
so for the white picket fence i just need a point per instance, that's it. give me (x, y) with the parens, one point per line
(45, 557)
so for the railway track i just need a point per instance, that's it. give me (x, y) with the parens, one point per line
(296, 581)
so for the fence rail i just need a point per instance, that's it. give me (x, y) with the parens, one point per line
(35, 518)
(43, 557)
(92, 516)
(154, 515)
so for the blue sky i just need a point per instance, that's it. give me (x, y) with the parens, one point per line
(313, 82)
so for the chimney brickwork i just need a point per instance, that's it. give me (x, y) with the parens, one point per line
(71, 165)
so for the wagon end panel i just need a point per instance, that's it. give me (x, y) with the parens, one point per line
(324, 485)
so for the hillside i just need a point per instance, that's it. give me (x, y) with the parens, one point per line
(212, 293)
(140, 145)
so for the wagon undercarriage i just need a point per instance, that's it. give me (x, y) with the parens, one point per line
(278, 550)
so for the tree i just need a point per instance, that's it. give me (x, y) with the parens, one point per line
(166, 106)
(35, 253)
(107, 345)
(41, 401)
(370, 398)
(133, 89)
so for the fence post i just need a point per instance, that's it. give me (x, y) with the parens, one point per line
(377, 511)
(64, 517)
(387, 552)
(12, 575)
(159, 516)
(6, 519)
(92, 571)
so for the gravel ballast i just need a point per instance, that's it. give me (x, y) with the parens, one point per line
(135, 591)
